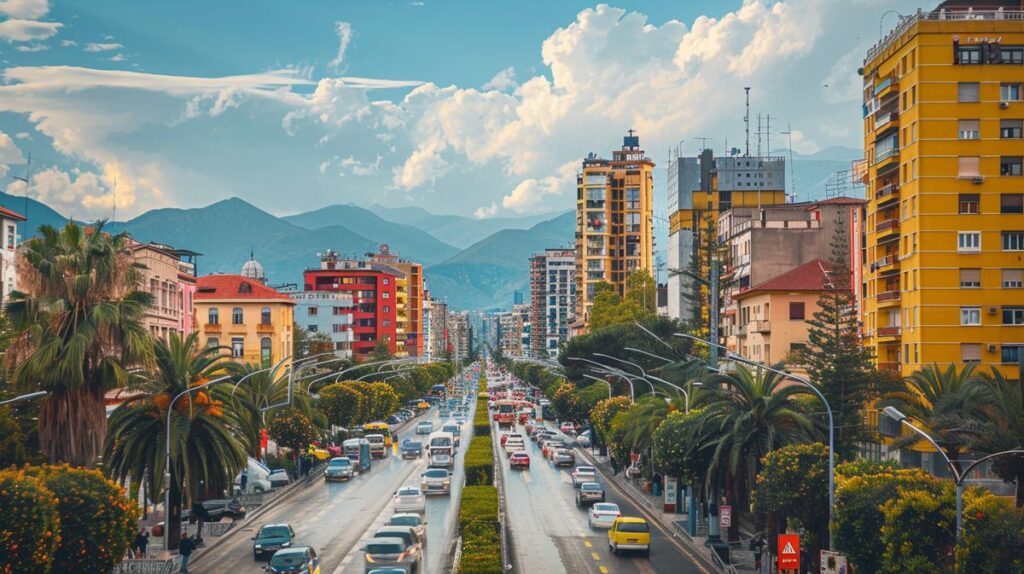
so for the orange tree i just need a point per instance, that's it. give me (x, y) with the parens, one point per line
(29, 524)
(292, 429)
(342, 404)
(601, 417)
(793, 485)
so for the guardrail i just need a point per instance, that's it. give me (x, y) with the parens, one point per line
(147, 566)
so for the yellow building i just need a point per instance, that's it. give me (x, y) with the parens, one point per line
(614, 234)
(251, 321)
(944, 228)
(409, 338)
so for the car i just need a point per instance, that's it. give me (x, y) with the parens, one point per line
(554, 446)
(413, 554)
(504, 438)
(436, 481)
(278, 477)
(414, 521)
(568, 428)
(582, 474)
(424, 427)
(270, 538)
(339, 468)
(296, 560)
(218, 509)
(393, 420)
(535, 433)
(629, 533)
(390, 551)
(412, 449)
(589, 493)
(319, 453)
(387, 571)
(584, 439)
(563, 457)
(603, 514)
(444, 413)
(410, 499)
(519, 460)
(514, 444)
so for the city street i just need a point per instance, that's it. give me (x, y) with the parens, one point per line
(550, 534)
(336, 517)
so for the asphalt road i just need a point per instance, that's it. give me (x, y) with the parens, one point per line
(551, 535)
(336, 517)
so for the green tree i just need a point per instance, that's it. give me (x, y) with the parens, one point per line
(642, 294)
(993, 541)
(639, 303)
(601, 417)
(78, 322)
(206, 452)
(836, 360)
(381, 350)
(256, 389)
(998, 425)
(385, 400)
(12, 441)
(29, 524)
(292, 429)
(919, 531)
(636, 425)
(342, 404)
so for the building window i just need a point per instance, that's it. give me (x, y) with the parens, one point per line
(213, 342)
(1011, 203)
(313, 328)
(312, 311)
(387, 322)
(967, 92)
(1013, 315)
(387, 308)
(1010, 353)
(265, 352)
(1010, 129)
(387, 281)
(1013, 241)
(265, 316)
(1007, 54)
(969, 353)
(245, 288)
(1010, 165)
(10, 236)
(1009, 92)
(969, 166)
(632, 198)
(214, 316)
(970, 315)
(386, 295)
(970, 278)
(969, 203)
(969, 129)
(1013, 278)
(237, 347)
(966, 55)
(237, 317)
(796, 311)
(969, 241)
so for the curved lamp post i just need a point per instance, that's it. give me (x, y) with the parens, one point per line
(25, 397)
(605, 369)
(601, 380)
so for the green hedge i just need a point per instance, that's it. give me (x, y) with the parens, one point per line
(481, 532)
(479, 462)
(481, 419)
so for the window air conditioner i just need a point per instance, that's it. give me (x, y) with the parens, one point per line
(977, 180)
(993, 310)
(992, 347)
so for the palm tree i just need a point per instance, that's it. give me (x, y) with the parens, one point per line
(205, 453)
(78, 324)
(1000, 426)
(636, 425)
(943, 400)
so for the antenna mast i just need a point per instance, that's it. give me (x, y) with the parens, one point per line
(746, 121)
(26, 179)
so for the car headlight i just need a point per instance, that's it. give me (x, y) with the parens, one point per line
(286, 544)
(259, 547)
(447, 482)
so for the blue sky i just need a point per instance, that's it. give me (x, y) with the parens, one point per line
(477, 108)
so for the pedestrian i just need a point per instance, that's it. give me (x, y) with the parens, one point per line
(185, 548)
(245, 480)
(202, 517)
(141, 541)
(757, 545)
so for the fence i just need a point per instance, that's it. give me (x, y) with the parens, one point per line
(147, 566)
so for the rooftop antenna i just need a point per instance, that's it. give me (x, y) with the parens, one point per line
(792, 166)
(26, 179)
(746, 121)
(703, 144)
(768, 133)
(758, 135)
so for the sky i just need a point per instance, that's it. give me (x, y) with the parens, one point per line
(459, 106)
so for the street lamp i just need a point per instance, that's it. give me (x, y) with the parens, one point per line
(607, 370)
(601, 380)
(649, 354)
(958, 476)
(29, 396)
(649, 376)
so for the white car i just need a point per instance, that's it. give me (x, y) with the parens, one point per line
(436, 480)
(514, 444)
(602, 514)
(410, 499)
(425, 427)
(582, 474)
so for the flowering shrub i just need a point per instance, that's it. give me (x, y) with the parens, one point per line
(29, 524)
(993, 535)
(793, 484)
(97, 520)
(292, 429)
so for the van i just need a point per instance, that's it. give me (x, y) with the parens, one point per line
(441, 450)
(455, 429)
(257, 478)
(377, 447)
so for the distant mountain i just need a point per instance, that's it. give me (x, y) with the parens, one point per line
(455, 229)
(485, 275)
(38, 213)
(408, 241)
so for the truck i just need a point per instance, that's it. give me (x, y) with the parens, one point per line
(441, 450)
(378, 448)
(358, 451)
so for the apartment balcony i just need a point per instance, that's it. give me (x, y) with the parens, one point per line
(889, 85)
(886, 229)
(888, 298)
(891, 331)
(886, 264)
(265, 328)
(893, 367)
(760, 326)
(888, 193)
(887, 121)
(887, 161)
(212, 328)
(741, 330)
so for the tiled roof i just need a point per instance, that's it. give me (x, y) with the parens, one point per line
(11, 214)
(228, 287)
(810, 276)
(842, 201)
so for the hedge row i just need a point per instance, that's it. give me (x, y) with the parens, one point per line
(481, 418)
(481, 532)
(479, 462)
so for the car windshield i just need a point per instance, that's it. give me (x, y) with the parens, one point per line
(274, 532)
(590, 486)
(384, 548)
(340, 462)
(404, 520)
(406, 536)
(288, 558)
(605, 507)
(633, 527)
(584, 470)
(409, 492)
(436, 473)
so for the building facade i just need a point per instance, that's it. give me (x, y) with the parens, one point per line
(252, 322)
(329, 313)
(614, 222)
(552, 300)
(409, 297)
(699, 190)
(943, 123)
(439, 341)
(8, 255)
(169, 275)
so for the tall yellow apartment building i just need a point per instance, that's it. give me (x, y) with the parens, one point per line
(614, 233)
(944, 249)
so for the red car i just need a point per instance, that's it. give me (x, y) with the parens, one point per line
(520, 460)
(504, 439)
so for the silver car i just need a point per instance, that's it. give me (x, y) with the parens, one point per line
(393, 552)
(436, 481)
(414, 521)
(410, 499)
(338, 468)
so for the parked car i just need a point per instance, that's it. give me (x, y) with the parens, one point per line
(410, 499)
(390, 551)
(563, 457)
(412, 449)
(436, 480)
(589, 493)
(603, 514)
(519, 460)
(339, 468)
(218, 509)
(568, 428)
(270, 538)
(629, 533)
(297, 560)
(424, 427)
(414, 521)
(393, 420)
(582, 474)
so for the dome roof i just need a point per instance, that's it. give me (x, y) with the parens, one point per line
(253, 270)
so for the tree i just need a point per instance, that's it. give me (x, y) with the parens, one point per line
(342, 404)
(642, 293)
(206, 451)
(836, 360)
(256, 389)
(78, 321)
(636, 425)
(919, 531)
(384, 400)
(29, 523)
(998, 425)
(381, 350)
(639, 303)
(12, 441)
(601, 417)
(993, 539)
(292, 429)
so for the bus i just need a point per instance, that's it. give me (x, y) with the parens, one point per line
(358, 451)
(505, 412)
(381, 428)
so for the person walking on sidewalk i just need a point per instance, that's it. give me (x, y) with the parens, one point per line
(185, 548)
(141, 542)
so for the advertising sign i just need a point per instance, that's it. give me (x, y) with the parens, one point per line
(725, 516)
(789, 552)
(671, 486)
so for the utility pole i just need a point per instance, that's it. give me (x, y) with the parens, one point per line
(746, 121)
(27, 179)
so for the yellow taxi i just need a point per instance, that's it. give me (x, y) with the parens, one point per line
(319, 453)
(422, 405)
(629, 533)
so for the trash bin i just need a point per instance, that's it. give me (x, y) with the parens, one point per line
(656, 488)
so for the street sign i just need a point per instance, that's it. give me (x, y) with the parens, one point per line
(833, 563)
(671, 486)
(725, 516)
(789, 552)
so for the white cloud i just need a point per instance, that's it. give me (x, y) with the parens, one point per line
(19, 30)
(32, 48)
(530, 194)
(53, 186)
(23, 136)
(102, 47)
(425, 165)
(24, 8)
(503, 81)
(486, 212)
(9, 154)
(68, 43)
(118, 58)
(344, 30)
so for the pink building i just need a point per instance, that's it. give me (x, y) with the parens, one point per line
(169, 275)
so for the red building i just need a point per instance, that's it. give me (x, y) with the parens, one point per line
(373, 289)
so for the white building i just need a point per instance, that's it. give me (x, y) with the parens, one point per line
(9, 228)
(327, 312)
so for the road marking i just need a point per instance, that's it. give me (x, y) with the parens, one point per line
(595, 556)
(588, 544)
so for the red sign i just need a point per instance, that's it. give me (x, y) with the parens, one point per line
(725, 516)
(263, 438)
(789, 552)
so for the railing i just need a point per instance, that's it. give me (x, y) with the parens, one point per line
(886, 155)
(212, 328)
(889, 367)
(888, 225)
(882, 120)
(889, 331)
(883, 85)
(147, 566)
(265, 328)
(761, 326)
(939, 15)
(887, 190)
(889, 296)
